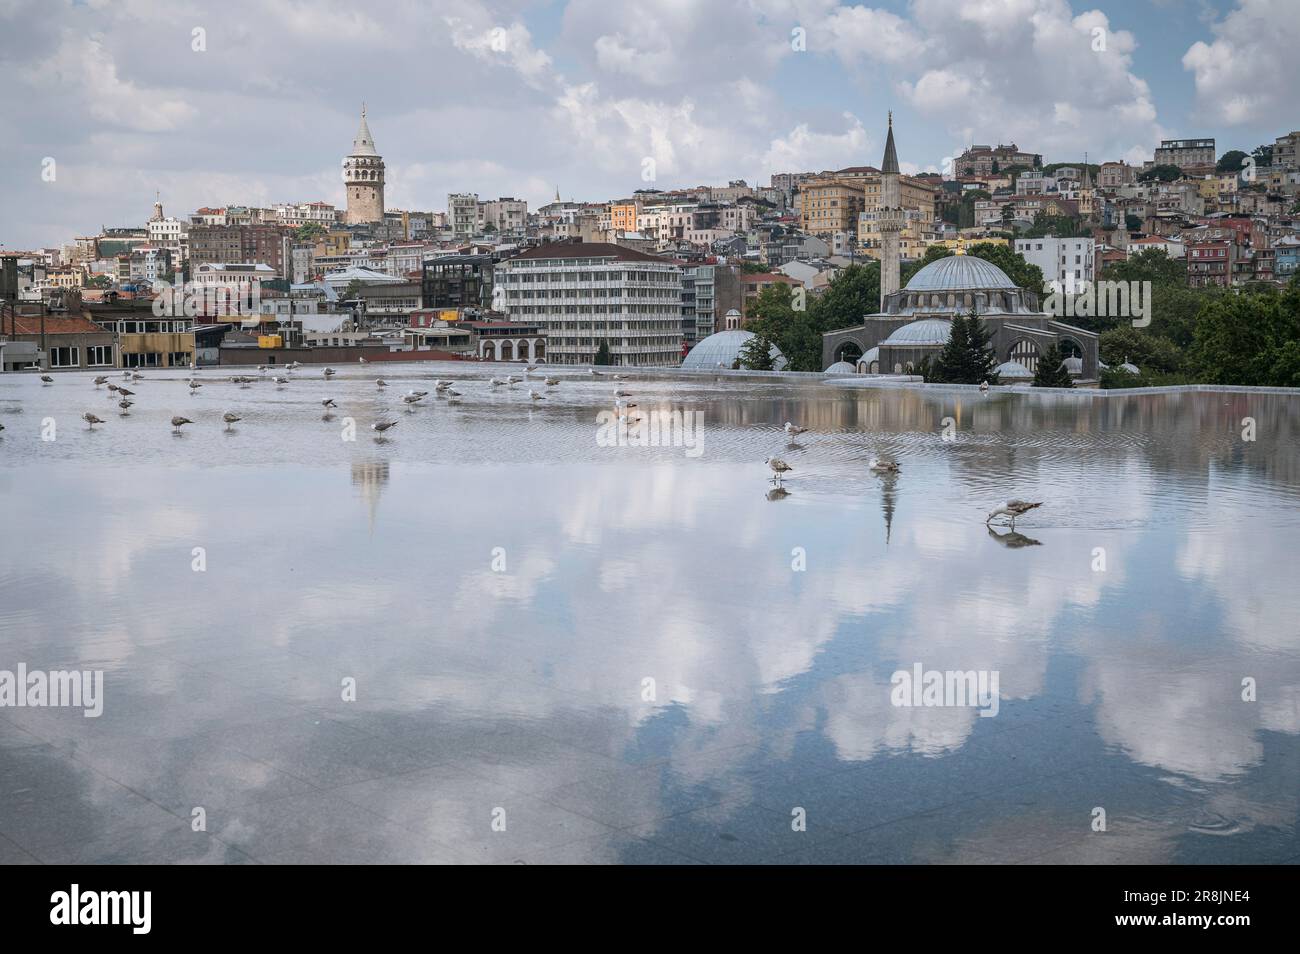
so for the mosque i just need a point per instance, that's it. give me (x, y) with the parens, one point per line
(916, 321)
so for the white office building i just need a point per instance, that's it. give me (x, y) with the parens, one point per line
(583, 293)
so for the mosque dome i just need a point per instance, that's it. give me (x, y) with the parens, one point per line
(840, 367)
(959, 273)
(1014, 371)
(1073, 365)
(722, 349)
(927, 331)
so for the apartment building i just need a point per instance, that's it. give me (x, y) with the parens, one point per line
(1062, 260)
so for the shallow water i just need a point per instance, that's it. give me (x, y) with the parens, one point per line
(501, 588)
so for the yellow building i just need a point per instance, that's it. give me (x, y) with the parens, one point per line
(918, 199)
(333, 243)
(622, 216)
(830, 205)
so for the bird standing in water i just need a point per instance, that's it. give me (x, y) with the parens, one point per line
(1013, 509)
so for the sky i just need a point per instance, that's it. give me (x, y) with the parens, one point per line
(112, 103)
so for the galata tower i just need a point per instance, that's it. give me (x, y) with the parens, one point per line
(363, 173)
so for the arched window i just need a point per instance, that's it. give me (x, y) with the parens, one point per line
(1025, 352)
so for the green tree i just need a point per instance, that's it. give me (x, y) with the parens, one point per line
(1132, 222)
(1051, 371)
(1164, 173)
(308, 232)
(353, 290)
(754, 268)
(756, 354)
(1230, 161)
(966, 358)
(602, 353)
(1135, 345)
(1247, 339)
(1149, 265)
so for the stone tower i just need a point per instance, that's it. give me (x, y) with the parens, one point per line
(363, 172)
(891, 218)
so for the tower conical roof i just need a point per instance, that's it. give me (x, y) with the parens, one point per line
(890, 163)
(364, 144)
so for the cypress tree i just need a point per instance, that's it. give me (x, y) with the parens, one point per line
(1051, 371)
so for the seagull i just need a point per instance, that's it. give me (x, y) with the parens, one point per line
(1013, 509)
(125, 405)
(496, 382)
(362, 360)
(620, 393)
(47, 379)
(382, 426)
(280, 381)
(536, 397)
(620, 377)
(453, 392)
(262, 368)
(595, 374)
(552, 382)
(417, 393)
(112, 388)
(100, 380)
(443, 385)
(230, 418)
(126, 374)
(778, 467)
(411, 399)
(511, 379)
(531, 367)
(328, 372)
(380, 382)
(984, 385)
(794, 430)
(178, 421)
(194, 386)
(91, 419)
(137, 376)
(124, 392)
(328, 403)
(193, 366)
(884, 466)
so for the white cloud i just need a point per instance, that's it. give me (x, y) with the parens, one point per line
(1251, 70)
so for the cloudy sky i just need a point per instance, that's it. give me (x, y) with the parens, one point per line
(256, 101)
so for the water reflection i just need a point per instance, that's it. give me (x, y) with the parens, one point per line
(503, 617)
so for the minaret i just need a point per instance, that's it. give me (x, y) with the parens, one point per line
(890, 217)
(363, 172)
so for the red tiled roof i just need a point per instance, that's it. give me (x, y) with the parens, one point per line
(56, 325)
(768, 277)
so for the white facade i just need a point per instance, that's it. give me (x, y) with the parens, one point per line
(1060, 258)
(508, 216)
(463, 214)
(171, 234)
(588, 293)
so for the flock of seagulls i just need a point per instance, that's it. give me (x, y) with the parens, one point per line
(778, 466)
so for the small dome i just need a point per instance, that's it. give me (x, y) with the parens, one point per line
(959, 272)
(722, 349)
(1073, 365)
(1014, 371)
(840, 367)
(1130, 368)
(927, 331)
(872, 354)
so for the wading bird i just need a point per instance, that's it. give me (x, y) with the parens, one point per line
(91, 419)
(794, 430)
(177, 421)
(536, 397)
(100, 380)
(328, 372)
(552, 382)
(778, 467)
(125, 405)
(328, 403)
(884, 466)
(382, 426)
(1013, 509)
(230, 418)
(380, 383)
(47, 379)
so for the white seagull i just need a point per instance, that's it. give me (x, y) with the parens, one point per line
(536, 397)
(794, 430)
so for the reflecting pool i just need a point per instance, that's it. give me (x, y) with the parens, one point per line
(487, 635)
